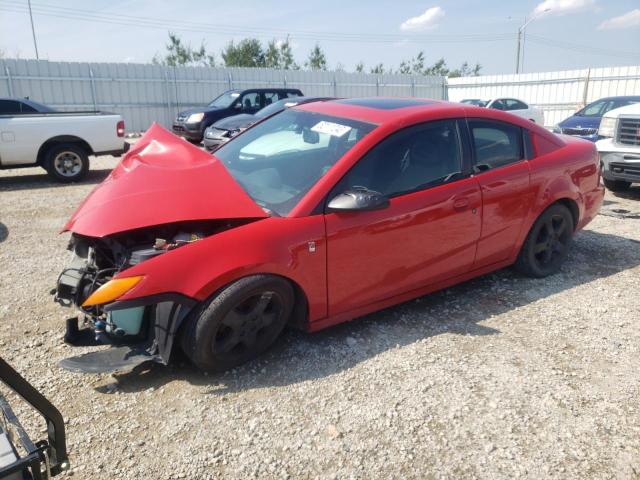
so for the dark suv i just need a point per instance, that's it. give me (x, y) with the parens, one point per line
(192, 123)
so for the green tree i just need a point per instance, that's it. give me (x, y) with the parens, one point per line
(286, 56)
(438, 68)
(279, 55)
(466, 71)
(317, 59)
(272, 56)
(359, 67)
(378, 69)
(247, 53)
(181, 54)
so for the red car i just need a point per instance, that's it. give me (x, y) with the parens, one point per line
(315, 216)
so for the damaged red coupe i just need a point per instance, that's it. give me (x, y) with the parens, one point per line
(317, 215)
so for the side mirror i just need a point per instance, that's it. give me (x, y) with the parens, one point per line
(237, 106)
(358, 199)
(309, 136)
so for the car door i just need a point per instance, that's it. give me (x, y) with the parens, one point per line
(428, 232)
(502, 170)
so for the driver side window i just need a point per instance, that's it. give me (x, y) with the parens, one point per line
(413, 159)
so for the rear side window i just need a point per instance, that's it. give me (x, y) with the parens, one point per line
(9, 107)
(513, 104)
(499, 105)
(496, 144)
(270, 97)
(27, 108)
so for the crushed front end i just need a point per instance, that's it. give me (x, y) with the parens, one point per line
(139, 330)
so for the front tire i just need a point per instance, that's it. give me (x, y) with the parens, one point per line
(616, 185)
(547, 245)
(66, 163)
(239, 323)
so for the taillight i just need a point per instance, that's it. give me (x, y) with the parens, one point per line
(598, 161)
(120, 128)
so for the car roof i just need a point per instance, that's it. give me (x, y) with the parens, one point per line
(380, 110)
(37, 105)
(617, 97)
(261, 90)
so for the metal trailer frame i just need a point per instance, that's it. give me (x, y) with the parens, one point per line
(44, 458)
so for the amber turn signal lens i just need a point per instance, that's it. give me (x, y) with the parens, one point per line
(111, 290)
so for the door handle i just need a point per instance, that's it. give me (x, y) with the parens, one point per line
(461, 203)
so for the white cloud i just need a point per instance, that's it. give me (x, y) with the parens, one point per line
(426, 21)
(628, 20)
(563, 7)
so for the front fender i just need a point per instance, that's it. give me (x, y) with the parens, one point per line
(279, 246)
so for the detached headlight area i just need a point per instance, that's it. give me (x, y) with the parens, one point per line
(112, 290)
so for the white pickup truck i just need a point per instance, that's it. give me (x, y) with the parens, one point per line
(619, 147)
(32, 134)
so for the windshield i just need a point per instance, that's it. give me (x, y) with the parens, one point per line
(225, 100)
(277, 161)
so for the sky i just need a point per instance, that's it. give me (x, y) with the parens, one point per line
(562, 34)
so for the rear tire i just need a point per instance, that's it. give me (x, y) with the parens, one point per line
(616, 185)
(547, 245)
(66, 162)
(239, 323)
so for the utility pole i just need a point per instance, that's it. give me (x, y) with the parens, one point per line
(518, 51)
(33, 31)
(521, 33)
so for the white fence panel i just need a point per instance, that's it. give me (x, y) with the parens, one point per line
(144, 94)
(558, 94)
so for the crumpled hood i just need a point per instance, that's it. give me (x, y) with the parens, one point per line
(576, 121)
(162, 179)
(242, 120)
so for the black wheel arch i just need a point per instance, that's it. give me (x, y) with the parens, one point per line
(299, 318)
(62, 140)
(573, 208)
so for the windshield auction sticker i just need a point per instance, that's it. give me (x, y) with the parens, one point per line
(330, 128)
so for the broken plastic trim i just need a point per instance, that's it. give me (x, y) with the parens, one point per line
(121, 359)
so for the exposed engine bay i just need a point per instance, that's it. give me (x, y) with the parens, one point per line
(95, 261)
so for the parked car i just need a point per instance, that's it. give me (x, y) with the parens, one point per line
(224, 130)
(323, 213)
(474, 101)
(192, 123)
(511, 105)
(620, 147)
(585, 122)
(20, 457)
(17, 106)
(60, 142)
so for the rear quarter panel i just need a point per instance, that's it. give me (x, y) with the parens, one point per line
(564, 168)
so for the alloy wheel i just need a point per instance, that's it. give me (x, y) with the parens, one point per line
(248, 325)
(67, 164)
(552, 241)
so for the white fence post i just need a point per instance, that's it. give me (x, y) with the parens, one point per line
(9, 80)
(585, 92)
(93, 89)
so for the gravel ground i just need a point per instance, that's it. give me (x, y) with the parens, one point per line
(501, 377)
